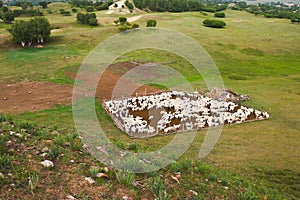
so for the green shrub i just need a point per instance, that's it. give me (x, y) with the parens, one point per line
(93, 22)
(214, 23)
(151, 23)
(220, 14)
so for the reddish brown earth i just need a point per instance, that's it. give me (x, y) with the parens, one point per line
(34, 96)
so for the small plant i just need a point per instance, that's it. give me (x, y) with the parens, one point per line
(93, 172)
(158, 187)
(2, 118)
(54, 152)
(60, 140)
(125, 178)
(134, 147)
(5, 160)
(24, 124)
(248, 195)
(33, 181)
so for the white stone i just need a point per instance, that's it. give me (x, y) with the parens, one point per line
(89, 180)
(47, 163)
(70, 197)
(194, 192)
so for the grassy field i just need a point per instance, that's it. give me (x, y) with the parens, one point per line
(256, 56)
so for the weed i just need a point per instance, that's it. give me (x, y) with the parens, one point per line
(2, 117)
(158, 187)
(125, 178)
(93, 172)
(25, 124)
(33, 181)
(134, 147)
(54, 152)
(5, 160)
(248, 195)
(60, 140)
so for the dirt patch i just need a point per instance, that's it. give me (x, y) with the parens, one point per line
(33, 96)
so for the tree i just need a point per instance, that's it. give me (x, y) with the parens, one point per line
(1, 4)
(214, 23)
(88, 18)
(36, 30)
(151, 23)
(5, 9)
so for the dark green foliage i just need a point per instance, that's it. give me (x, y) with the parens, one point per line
(122, 20)
(89, 9)
(151, 23)
(5, 9)
(220, 14)
(88, 18)
(178, 5)
(294, 20)
(213, 23)
(74, 10)
(129, 5)
(93, 22)
(36, 30)
(1, 4)
(44, 4)
(8, 17)
(65, 13)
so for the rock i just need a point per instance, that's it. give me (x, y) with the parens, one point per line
(43, 154)
(18, 135)
(226, 188)
(194, 192)
(11, 132)
(4, 98)
(70, 197)
(89, 180)
(29, 92)
(47, 163)
(99, 175)
(9, 174)
(72, 161)
(1, 176)
(125, 197)
(45, 149)
(105, 169)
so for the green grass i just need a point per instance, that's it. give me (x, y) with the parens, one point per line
(256, 56)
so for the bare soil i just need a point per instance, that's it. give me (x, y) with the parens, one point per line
(34, 96)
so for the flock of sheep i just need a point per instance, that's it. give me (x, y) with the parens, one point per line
(175, 111)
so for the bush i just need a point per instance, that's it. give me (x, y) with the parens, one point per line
(213, 23)
(151, 23)
(89, 8)
(220, 14)
(93, 22)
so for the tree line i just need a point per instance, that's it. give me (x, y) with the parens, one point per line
(273, 10)
(178, 5)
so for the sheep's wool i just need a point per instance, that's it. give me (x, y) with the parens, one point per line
(169, 112)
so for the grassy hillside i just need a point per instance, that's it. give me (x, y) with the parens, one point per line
(256, 56)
